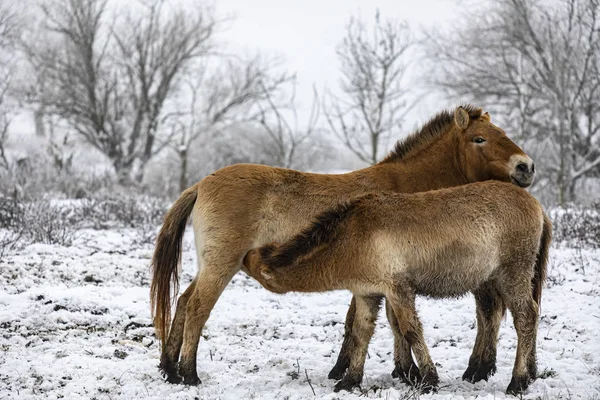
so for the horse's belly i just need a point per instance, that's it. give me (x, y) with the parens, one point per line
(453, 273)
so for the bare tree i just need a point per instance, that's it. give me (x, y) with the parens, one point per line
(5, 119)
(219, 97)
(110, 80)
(73, 70)
(538, 67)
(156, 51)
(373, 102)
(9, 31)
(284, 133)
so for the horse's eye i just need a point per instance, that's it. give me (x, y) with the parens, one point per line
(479, 139)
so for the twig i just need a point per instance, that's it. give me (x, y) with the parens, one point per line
(586, 365)
(310, 384)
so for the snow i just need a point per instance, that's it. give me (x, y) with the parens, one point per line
(75, 324)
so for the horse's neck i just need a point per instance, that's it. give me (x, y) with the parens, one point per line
(433, 168)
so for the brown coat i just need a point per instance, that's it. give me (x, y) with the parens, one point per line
(243, 206)
(441, 243)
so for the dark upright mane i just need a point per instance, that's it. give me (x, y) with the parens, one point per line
(431, 131)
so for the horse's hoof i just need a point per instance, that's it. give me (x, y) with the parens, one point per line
(469, 374)
(174, 379)
(336, 373)
(169, 371)
(192, 381)
(410, 376)
(480, 372)
(187, 370)
(347, 383)
(517, 385)
(429, 383)
(426, 389)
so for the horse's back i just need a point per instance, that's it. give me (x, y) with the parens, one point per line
(230, 203)
(256, 180)
(448, 242)
(246, 205)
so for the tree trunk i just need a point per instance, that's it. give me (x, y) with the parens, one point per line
(123, 171)
(571, 191)
(183, 172)
(38, 116)
(140, 172)
(374, 148)
(563, 154)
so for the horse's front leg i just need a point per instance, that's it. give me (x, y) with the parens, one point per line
(490, 310)
(404, 365)
(343, 360)
(365, 316)
(402, 302)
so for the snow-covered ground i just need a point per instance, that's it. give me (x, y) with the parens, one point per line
(75, 323)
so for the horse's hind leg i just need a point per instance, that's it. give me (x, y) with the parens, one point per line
(343, 360)
(402, 301)
(363, 327)
(490, 310)
(404, 365)
(171, 349)
(210, 283)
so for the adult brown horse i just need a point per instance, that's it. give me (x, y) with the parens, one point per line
(243, 206)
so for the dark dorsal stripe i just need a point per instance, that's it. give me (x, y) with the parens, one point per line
(430, 132)
(322, 231)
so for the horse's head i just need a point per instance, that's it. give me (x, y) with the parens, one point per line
(487, 153)
(264, 274)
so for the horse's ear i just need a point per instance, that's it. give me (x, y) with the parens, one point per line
(461, 118)
(266, 273)
(486, 116)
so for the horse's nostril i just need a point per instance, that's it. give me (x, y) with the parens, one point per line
(522, 167)
(532, 167)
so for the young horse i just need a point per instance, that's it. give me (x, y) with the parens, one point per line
(243, 206)
(441, 243)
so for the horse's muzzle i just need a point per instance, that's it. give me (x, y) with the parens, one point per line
(523, 174)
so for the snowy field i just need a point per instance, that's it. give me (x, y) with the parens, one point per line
(75, 323)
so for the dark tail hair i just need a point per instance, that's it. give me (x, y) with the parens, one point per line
(541, 263)
(321, 232)
(166, 260)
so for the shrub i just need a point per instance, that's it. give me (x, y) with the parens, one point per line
(576, 226)
(11, 213)
(57, 222)
(45, 222)
(121, 211)
(8, 240)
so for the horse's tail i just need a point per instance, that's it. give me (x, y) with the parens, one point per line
(166, 259)
(541, 263)
(321, 232)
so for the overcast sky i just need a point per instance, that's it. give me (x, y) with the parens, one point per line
(306, 33)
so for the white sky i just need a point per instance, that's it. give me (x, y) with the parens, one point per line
(306, 33)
